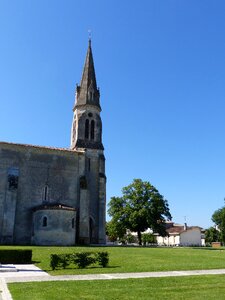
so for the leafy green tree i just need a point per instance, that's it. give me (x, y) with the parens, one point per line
(130, 238)
(141, 207)
(218, 218)
(115, 230)
(212, 235)
(148, 238)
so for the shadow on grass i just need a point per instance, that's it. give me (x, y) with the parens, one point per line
(88, 268)
(208, 248)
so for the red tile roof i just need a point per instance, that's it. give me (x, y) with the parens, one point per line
(180, 228)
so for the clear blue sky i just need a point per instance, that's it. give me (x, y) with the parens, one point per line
(160, 66)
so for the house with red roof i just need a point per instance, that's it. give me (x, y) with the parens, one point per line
(180, 235)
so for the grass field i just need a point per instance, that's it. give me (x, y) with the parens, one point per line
(194, 287)
(135, 259)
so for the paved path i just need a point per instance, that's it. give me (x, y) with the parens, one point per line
(29, 273)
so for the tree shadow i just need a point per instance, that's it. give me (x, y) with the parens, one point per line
(87, 268)
(208, 248)
(108, 267)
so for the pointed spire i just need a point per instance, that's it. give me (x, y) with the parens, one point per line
(87, 91)
(88, 76)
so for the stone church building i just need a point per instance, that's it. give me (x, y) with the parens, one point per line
(55, 196)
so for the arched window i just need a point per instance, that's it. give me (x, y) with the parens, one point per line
(86, 129)
(44, 222)
(73, 223)
(92, 129)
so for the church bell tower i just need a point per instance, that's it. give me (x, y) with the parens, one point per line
(86, 135)
(87, 125)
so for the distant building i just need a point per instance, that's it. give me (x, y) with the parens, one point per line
(55, 196)
(181, 235)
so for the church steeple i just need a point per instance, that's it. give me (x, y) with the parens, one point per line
(86, 134)
(87, 125)
(87, 92)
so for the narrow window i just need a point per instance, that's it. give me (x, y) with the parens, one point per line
(46, 193)
(83, 183)
(92, 95)
(92, 129)
(13, 175)
(87, 129)
(44, 222)
(73, 223)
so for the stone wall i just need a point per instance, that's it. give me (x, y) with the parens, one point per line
(39, 167)
(31, 176)
(54, 227)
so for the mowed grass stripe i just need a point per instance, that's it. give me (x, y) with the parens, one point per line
(193, 287)
(135, 259)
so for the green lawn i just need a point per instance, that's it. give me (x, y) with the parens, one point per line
(135, 259)
(194, 287)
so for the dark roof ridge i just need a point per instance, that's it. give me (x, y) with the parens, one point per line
(38, 146)
(53, 206)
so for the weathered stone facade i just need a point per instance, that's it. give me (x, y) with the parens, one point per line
(54, 196)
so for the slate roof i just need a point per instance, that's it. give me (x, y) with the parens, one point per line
(88, 84)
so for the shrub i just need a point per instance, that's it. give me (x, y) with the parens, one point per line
(54, 261)
(64, 260)
(60, 260)
(102, 258)
(80, 259)
(83, 259)
(13, 256)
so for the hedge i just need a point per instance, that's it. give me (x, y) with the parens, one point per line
(15, 256)
(79, 259)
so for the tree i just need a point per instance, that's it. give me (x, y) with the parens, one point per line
(148, 238)
(130, 238)
(212, 235)
(141, 207)
(115, 230)
(218, 218)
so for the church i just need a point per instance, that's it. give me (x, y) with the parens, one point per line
(57, 196)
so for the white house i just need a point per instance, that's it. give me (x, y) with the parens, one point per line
(180, 235)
